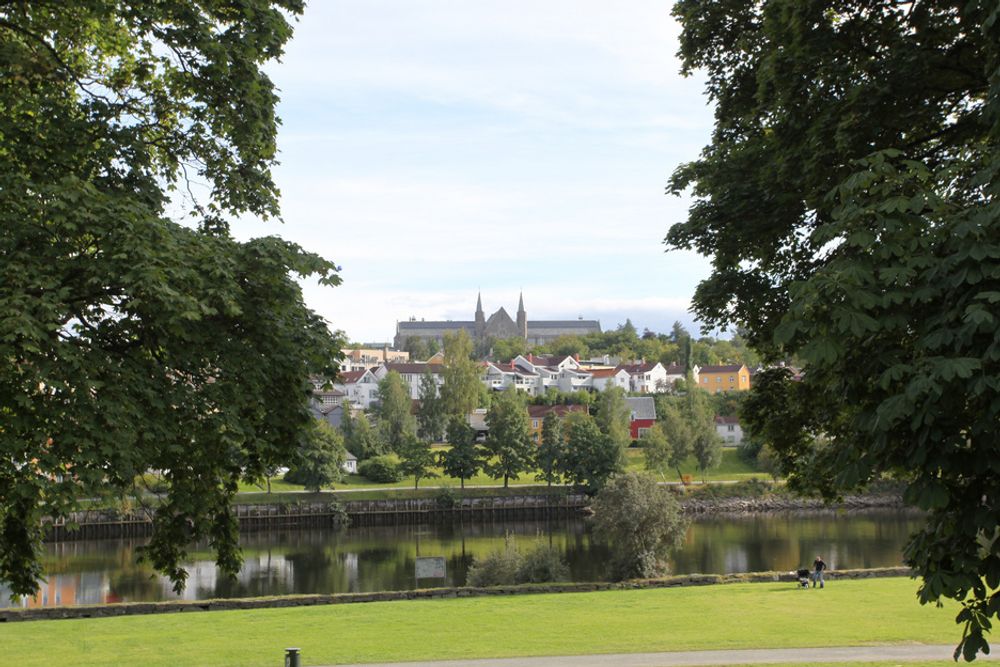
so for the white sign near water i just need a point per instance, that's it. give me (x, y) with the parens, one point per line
(430, 568)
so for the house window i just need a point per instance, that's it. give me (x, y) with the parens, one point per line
(704, 380)
(730, 427)
(643, 432)
(534, 423)
(731, 379)
(718, 379)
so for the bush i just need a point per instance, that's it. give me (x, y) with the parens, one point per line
(748, 450)
(509, 566)
(381, 469)
(640, 521)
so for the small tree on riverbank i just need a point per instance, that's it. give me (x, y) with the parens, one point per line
(640, 521)
(416, 458)
(552, 449)
(591, 457)
(508, 442)
(320, 460)
(465, 457)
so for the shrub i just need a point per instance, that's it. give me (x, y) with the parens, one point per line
(640, 521)
(509, 566)
(381, 469)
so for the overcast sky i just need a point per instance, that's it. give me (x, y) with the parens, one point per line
(437, 148)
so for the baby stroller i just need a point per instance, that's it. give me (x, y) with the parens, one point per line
(803, 578)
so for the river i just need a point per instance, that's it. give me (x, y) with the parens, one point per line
(382, 558)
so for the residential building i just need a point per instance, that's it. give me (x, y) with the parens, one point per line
(499, 325)
(716, 379)
(412, 373)
(362, 358)
(602, 378)
(351, 464)
(647, 378)
(361, 387)
(537, 414)
(729, 429)
(642, 415)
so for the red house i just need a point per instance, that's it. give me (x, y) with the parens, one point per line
(642, 415)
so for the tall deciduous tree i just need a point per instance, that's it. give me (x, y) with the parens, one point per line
(460, 392)
(320, 458)
(591, 456)
(128, 341)
(551, 450)
(850, 199)
(465, 457)
(393, 411)
(416, 459)
(431, 418)
(613, 415)
(508, 442)
(364, 440)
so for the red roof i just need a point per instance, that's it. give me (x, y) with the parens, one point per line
(350, 377)
(605, 372)
(727, 419)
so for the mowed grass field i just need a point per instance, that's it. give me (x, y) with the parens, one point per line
(731, 468)
(768, 615)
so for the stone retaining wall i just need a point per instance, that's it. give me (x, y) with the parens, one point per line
(782, 503)
(135, 608)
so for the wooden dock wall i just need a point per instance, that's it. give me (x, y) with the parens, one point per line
(97, 524)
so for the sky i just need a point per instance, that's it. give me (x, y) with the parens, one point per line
(437, 149)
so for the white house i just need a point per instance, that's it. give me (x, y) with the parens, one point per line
(412, 374)
(602, 378)
(361, 387)
(647, 378)
(350, 464)
(729, 429)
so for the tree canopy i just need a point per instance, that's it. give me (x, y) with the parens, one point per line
(849, 201)
(129, 341)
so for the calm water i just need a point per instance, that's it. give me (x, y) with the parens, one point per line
(372, 559)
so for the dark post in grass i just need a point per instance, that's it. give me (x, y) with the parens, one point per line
(292, 657)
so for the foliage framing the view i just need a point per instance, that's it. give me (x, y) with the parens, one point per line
(129, 342)
(849, 199)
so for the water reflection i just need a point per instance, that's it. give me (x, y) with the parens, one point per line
(383, 558)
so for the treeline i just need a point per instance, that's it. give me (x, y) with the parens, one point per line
(624, 343)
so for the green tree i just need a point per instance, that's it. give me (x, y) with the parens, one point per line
(706, 443)
(364, 441)
(551, 450)
(129, 341)
(506, 349)
(460, 392)
(591, 457)
(677, 430)
(871, 131)
(508, 442)
(393, 410)
(465, 457)
(656, 450)
(431, 418)
(613, 416)
(320, 459)
(416, 459)
(640, 521)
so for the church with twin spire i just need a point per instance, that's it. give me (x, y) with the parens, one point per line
(497, 326)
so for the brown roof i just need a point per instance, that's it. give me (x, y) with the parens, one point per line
(731, 368)
(605, 372)
(417, 368)
(674, 369)
(539, 411)
(640, 368)
(350, 376)
(727, 419)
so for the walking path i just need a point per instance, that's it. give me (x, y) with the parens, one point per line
(902, 653)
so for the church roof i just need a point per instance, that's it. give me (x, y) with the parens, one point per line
(456, 325)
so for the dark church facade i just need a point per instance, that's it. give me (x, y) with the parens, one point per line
(497, 326)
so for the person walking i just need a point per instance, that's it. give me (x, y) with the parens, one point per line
(818, 566)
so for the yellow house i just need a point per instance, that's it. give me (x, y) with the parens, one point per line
(716, 379)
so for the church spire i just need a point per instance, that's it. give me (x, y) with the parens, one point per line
(480, 328)
(522, 318)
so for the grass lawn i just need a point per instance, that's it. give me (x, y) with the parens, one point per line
(770, 615)
(731, 468)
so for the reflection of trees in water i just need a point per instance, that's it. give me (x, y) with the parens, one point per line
(383, 557)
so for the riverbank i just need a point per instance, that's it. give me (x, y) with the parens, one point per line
(736, 616)
(329, 509)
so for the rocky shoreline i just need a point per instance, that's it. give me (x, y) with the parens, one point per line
(785, 503)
